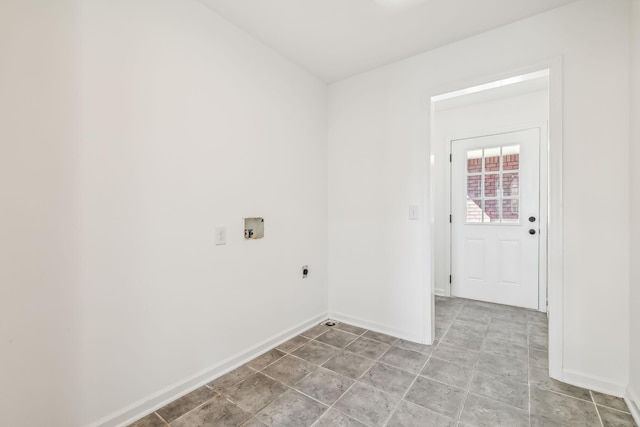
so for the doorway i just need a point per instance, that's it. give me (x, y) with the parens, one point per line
(541, 84)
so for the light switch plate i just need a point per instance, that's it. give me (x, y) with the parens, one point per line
(221, 235)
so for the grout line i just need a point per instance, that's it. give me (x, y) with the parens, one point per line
(355, 381)
(528, 376)
(596, 406)
(163, 420)
(417, 376)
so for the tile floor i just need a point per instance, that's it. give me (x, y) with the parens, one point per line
(488, 368)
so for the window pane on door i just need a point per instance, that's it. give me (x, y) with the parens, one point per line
(474, 189)
(492, 211)
(492, 159)
(510, 185)
(511, 158)
(510, 210)
(474, 211)
(493, 185)
(491, 182)
(474, 161)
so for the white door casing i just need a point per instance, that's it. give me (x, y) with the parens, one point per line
(495, 207)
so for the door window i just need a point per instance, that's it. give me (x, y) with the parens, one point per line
(493, 185)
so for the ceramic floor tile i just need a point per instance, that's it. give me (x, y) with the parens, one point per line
(265, 359)
(563, 409)
(407, 360)
(515, 338)
(232, 378)
(514, 369)
(181, 406)
(536, 317)
(378, 336)
(291, 409)
(502, 389)
(255, 392)
(315, 352)
(316, 331)
(254, 423)
(410, 415)
(324, 385)
(539, 341)
(337, 338)
(464, 326)
(216, 412)
(542, 421)
(508, 325)
(289, 370)
(293, 344)
(151, 420)
(505, 348)
(436, 396)
(414, 346)
(479, 315)
(333, 418)
(368, 348)
(350, 328)
(609, 401)
(465, 339)
(448, 373)
(613, 418)
(537, 328)
(539, 359)
(388, 379)
(479, 411)
(540, 378)
(367, 404)
(348, 364)
(440, 332)
(460, 356)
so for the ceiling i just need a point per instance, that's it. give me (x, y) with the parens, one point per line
(335, 39)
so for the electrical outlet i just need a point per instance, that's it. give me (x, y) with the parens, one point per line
(221, 235)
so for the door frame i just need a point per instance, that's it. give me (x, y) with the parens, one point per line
(543, 212)
(554, 226)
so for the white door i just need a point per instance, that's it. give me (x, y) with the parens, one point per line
(495, 204)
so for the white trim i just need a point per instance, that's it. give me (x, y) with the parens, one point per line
(149, 404)
(555, 257)
(633, 403)
(590, 382)
(376, 327)
(555, 261)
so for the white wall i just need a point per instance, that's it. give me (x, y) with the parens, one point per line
(188, 123)
(510, 112)
(378, 158)
(114, 296)
(38, 288)
(634, 300)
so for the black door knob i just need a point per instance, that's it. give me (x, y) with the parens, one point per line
(532, 219)
(532, 231)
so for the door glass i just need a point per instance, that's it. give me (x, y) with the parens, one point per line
(474, 161)
(493, 185)
(510, 185)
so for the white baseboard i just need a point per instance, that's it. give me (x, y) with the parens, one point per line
(633, 403)
(375, 327)
(151, 403)
(591, 382)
